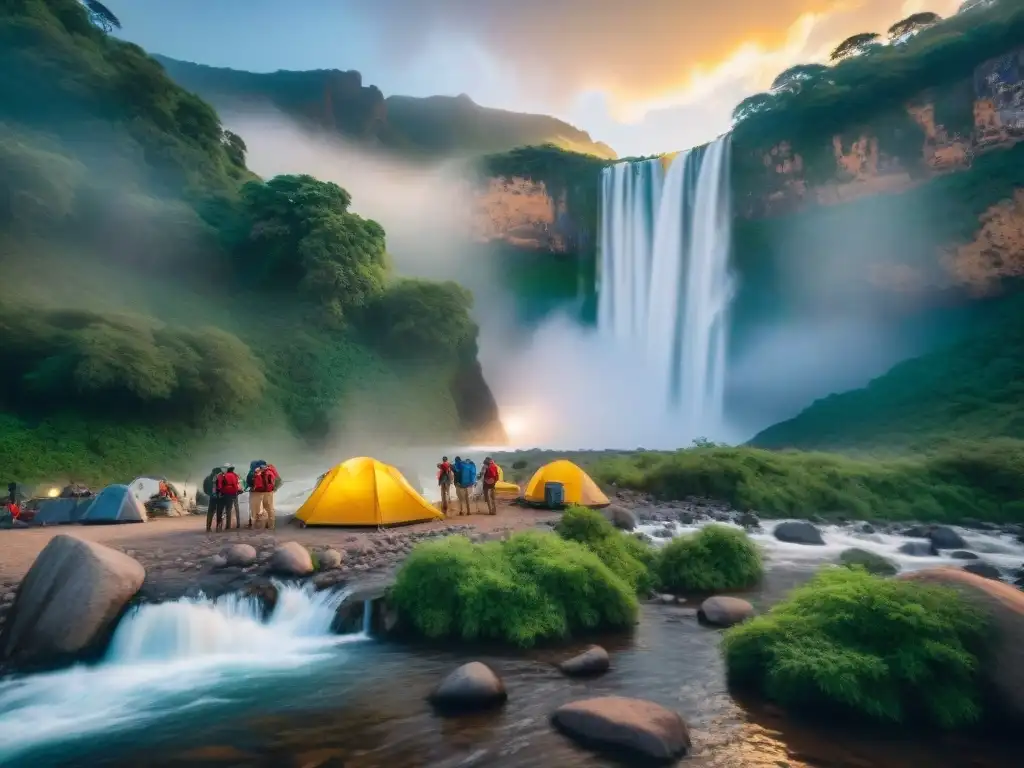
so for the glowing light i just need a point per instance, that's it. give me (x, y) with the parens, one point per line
(515, 425)
(53, 493)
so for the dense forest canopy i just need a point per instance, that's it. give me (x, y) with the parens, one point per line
(263, 294)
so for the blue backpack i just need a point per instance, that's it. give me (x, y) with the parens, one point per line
(467, 474)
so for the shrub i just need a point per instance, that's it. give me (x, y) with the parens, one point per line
(713, 559)
(869, 561)
(625, 555)
(853, 643)
(530, 588)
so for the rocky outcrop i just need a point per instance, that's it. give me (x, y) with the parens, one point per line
(860, 166)
(996, 252)
(476, 407)
(69, 601)
(472, 686)
(641, 728)
(1004, 606)
(522, 213)
(869, 561)
(593, 661)
(722, 611)
(291, 559)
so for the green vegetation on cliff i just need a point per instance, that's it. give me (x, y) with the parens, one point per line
(420, 128)
(157, 293)
(849, 643)
(868, 94)
(528, 589)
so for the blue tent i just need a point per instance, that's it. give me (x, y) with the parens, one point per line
(57, 511)
(115, 504)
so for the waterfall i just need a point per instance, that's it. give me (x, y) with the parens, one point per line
(197, 628)
(664, 284)
(168, 656)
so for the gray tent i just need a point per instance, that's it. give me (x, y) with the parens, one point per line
(115, 504)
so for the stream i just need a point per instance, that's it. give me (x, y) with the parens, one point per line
(196, 683)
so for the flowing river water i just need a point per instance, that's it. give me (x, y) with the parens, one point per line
(198, 683)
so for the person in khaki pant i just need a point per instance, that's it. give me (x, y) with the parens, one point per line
(261, 498)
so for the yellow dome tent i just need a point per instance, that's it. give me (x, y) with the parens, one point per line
(364, 491)
(579, 487)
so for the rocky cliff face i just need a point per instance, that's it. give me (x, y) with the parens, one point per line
(522, 213)
(858, 165)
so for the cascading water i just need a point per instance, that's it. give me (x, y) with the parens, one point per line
(165, 657)
(665, 284)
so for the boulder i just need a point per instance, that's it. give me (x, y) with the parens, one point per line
(241, 555)
(945, 538)
(917, 548)
(963, 554)
(330, 559)
(725, 611)
(869, 561)
(471, 686)
(615, 723)
(983, 569)
(593, 661)
(69, 601)
(749, 520)
(291, 559)
(1005, 608)
(620, 517)
(798, 533)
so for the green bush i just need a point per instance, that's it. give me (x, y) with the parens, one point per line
(869, 561)
(882, 649)
(423, 320)
(625, 555)
(984, 480)
(713, 559)
(530, 588)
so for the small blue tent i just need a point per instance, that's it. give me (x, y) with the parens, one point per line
(115, 504)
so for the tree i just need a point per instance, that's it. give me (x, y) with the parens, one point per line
(854, 45)
(753, 105)
(901, 30)
(302, 235)
(795, 78)
(423, 320)
(101, 16)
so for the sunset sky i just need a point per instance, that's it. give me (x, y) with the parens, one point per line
(645, 76)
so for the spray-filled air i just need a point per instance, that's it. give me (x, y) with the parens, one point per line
(665, 284)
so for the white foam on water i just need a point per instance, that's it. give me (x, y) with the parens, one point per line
(167, 657)
(1002, 551)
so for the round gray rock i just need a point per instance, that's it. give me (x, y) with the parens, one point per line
(616, 723)
(330, 559)
(593, 661)
(798, 533)
(725, 611)
(291, 559)
(620, 517)
(241, 555)
(471, 686)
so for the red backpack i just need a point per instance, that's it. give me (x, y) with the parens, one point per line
(228, 484)
(270, 476)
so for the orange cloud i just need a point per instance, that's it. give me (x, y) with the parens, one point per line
(643, 54)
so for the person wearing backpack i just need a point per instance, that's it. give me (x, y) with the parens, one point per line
(261, 496)
(210, 489)
(490, 479)
(229, 486)
(466, 481)
(444, 481)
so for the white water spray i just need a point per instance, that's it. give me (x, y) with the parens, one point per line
(665, 284)
(191, 652)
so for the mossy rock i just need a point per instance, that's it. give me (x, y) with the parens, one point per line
(869, 561)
